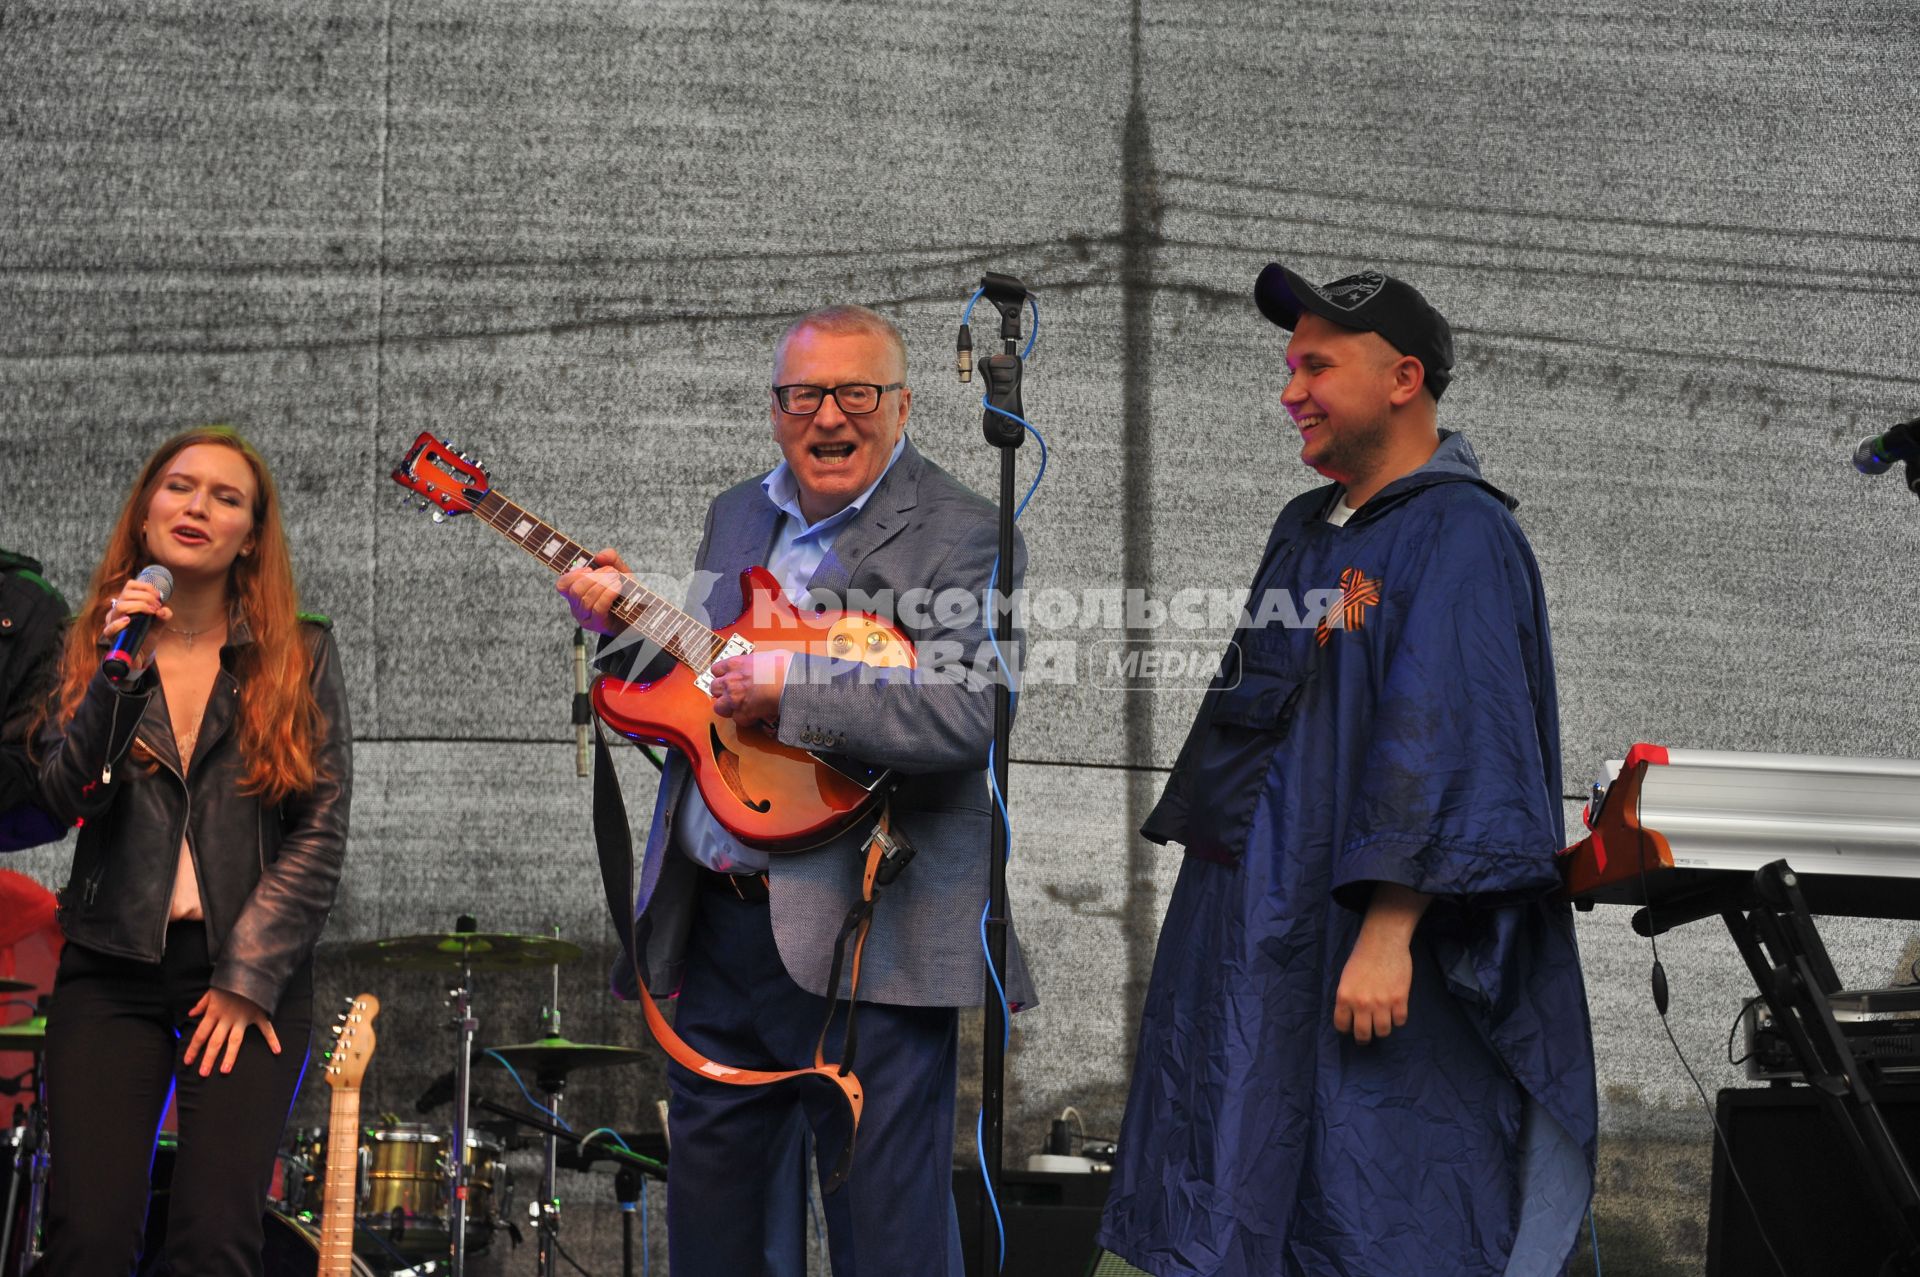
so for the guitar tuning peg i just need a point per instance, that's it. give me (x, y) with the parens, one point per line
(446, 443)
(439, 516)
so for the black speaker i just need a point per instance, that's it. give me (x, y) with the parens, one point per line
(1813, 1200)
(1050, 1222)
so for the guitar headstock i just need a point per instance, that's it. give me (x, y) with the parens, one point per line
(346, 1062)
(448, 482)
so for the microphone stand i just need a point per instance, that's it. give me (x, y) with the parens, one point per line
(1001, 371)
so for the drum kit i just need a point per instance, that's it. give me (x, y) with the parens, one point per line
(417, 1209)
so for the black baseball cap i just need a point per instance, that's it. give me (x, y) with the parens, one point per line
(1369, 302)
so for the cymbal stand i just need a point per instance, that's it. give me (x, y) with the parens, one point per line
(546, 1211)
(465, 1023)
(582, 1159)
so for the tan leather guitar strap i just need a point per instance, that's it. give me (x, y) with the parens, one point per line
(613, 839)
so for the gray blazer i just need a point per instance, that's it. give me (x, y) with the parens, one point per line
(921, 529)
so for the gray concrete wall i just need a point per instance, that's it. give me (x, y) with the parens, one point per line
(1677, 242)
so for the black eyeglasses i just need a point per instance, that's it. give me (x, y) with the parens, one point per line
(856, 399)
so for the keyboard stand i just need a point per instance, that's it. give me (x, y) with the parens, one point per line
(1768, 918)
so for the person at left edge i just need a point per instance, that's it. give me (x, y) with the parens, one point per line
(213, 782)
(853, 510)
(32, 619)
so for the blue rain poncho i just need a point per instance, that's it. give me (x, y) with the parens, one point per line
(1387, 715)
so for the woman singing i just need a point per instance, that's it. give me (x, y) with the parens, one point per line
(212, 786)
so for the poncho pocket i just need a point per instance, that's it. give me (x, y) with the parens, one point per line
(1246, 726)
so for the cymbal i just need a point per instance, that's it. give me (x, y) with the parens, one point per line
(557, 1055)
(452, 950)
(28, 1035)
(10, 985)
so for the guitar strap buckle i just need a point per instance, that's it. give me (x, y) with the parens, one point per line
(895, 853)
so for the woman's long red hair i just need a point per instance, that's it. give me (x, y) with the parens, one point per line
(280, 722)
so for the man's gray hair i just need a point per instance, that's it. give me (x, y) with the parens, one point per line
(845, 320)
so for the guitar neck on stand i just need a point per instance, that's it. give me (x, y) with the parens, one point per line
(346, 1064)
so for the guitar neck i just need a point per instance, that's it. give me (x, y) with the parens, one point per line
(336, 1203)
(639, 608)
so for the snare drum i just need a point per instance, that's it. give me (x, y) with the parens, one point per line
(406, 1190)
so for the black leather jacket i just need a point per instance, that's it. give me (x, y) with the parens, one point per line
(267, 873)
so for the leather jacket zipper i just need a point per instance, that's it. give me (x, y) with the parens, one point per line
(186, 820)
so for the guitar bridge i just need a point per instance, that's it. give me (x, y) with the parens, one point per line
(736, 646)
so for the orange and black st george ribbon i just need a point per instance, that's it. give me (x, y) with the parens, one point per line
(1358, 592)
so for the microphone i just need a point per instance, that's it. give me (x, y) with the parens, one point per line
(126, 645)
(438, 1092)
(1878, 454)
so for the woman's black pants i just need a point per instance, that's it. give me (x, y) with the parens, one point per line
(116, 1031)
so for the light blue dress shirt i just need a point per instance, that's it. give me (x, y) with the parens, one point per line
(799, 548)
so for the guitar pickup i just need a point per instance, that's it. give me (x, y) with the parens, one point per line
(736, 646)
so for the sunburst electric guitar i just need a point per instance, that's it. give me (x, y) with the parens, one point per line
(766, 794)
(346, 1064)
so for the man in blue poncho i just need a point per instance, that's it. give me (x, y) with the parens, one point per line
(1365, 1049)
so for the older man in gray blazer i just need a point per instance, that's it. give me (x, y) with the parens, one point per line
(853, 511)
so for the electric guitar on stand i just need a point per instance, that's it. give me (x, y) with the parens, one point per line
(346, 1064)
(767, 794)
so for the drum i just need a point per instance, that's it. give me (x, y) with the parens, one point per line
(405, 1188)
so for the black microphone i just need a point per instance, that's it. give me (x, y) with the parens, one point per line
(437, 1093)
(1878, 454)
(126, 645)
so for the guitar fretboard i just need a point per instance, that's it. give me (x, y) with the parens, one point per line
(676, 633)
(336, 1210)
